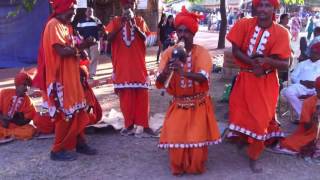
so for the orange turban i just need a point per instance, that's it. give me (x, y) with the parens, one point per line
(275, 3)
(22, 78)
(124, 2)
(61, 6)
(189, 19)
(317, 83)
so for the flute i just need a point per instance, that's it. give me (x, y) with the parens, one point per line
(178, 53)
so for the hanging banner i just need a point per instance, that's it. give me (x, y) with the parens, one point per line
(82, 4)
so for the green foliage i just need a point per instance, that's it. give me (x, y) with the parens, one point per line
(27, 5)
(291, 2)
(195, 1)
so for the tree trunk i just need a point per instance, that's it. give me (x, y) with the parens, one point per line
(223, 26)
(150, 14)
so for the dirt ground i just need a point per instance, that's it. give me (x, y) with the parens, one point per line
(133, 158)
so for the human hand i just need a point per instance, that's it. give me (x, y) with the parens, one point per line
(90, 40)
(175, 65)
(258, 70)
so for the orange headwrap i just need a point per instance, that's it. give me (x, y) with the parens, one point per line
(124, 2)
(317, 83)
(275, 3)
(22, 78)
(61, 6)
(189, 19)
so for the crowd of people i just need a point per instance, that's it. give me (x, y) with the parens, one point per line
(261, 48)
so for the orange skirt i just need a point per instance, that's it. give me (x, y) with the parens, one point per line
(190, 125)
(253, 103)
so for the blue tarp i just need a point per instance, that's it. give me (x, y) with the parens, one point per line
(19, 36)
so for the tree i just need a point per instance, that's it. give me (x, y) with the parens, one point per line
(291, 2)
(27, 5)
(223, 26)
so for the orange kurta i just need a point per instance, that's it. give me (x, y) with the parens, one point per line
(11, 104)
(301, 136)
(63, 72)
(129, 66)
(253, 99)
(130, 77)
(63, 76)
(45, 124)
(188, 130)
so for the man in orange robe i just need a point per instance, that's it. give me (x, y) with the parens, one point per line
(308, 128)
(127, 35)
(260, 47)
(58, 75)
(17, 110)
(190, 124)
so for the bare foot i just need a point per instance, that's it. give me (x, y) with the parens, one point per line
(253, 166)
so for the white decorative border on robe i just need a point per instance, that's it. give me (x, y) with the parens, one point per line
(188, 145)
(261, 137)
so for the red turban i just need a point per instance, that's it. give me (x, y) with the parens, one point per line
(61, 6)
(189, 19)
(275, 3)
(317, 83)
(124, 2)
(316, 47)
(22, 78)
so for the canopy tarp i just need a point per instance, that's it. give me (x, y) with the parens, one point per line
(19, 35)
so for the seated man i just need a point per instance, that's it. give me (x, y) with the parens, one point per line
(315, 40)
(44, 123)
(303, 78)
(305, 138)
(16, 110)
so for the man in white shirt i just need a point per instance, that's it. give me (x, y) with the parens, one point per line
(303, 78)
(316, 21)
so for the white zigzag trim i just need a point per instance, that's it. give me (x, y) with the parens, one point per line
(131, 85)
(263, 42)
(68, 112)
(188, 145)
(254, 135)
(253, 40)
(15, 105)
